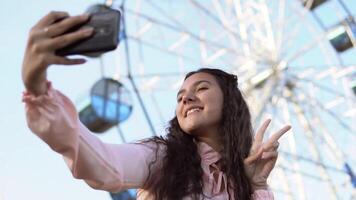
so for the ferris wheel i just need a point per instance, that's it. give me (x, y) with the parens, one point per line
(295, 61)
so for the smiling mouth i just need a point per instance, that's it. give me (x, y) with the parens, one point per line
(193, 110)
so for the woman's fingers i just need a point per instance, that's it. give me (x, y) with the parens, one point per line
(261, 152)
(66, 61)
(40, 50)
(65, 40)
(262, 130)
(276, 145)
(275, 137)
(50, 18)
(269, 165)
(269, 155)
(250, 159)
(64, 25)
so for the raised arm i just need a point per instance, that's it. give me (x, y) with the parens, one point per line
(54, 119)
(44, 39)
(112, 167)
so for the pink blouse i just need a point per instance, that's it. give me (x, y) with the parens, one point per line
(110, 167)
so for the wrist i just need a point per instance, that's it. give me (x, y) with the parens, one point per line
(263, 186)
(36, 84)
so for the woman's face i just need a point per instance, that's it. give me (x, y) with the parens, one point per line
(199, 104)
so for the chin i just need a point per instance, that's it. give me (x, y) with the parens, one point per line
(189, 130)
(193, 129)
(194, 126)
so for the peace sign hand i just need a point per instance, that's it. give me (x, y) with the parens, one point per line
(263, 156)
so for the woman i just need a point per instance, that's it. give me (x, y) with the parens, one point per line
(208, 153)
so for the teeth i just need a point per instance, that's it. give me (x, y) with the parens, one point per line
(193, 110)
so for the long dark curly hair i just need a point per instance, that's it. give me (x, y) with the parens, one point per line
(180, 173)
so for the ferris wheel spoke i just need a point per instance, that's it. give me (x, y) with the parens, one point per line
(317, 162)
(281, 172)
(184, 37)
(318, 36)
(334, 72)
(302, 173)
(288, 40)
(167, 74)
(270, 37)
(157, 108)
(281, 104)
(247, 48)
(298, 158)
(121, 133)
(283, 180)
(280, 25)
(327, 137)
(306, 175)
(180, 30)
(325, 47)
(166, 15)
(145, 90)
(339, 156)
(219, 20)
(317, 103)
(322, 87)
(272, 91)
(304, 49)
(178, 23)
(350, 67)
(156, 47)
(228, 27)
(291, 35)
(262, 44)
(301, 117)
(297, 26)
(152, 81)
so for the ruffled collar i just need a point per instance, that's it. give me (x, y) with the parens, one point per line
(214, 179)
(207, 153)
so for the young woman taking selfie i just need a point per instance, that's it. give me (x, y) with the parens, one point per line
(209, 152)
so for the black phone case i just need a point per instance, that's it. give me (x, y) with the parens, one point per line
(105, 38)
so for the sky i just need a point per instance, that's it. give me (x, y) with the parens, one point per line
(28, 168)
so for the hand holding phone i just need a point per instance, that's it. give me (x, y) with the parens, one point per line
(49, 41)
(106, 24)
(44, 38)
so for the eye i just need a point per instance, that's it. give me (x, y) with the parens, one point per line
(179, 99)
(202, 88)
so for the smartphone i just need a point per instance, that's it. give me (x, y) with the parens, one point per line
(106, 24)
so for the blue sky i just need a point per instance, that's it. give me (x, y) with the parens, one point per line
(28, 168)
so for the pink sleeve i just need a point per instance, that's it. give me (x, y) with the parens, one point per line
(111, 167)
(263, 195)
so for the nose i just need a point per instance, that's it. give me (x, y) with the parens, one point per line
(189, 97)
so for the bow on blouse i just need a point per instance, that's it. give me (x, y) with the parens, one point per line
(214, 179)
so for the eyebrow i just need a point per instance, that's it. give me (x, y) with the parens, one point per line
(195, 84)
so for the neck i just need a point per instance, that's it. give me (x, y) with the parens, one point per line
(211, 139)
